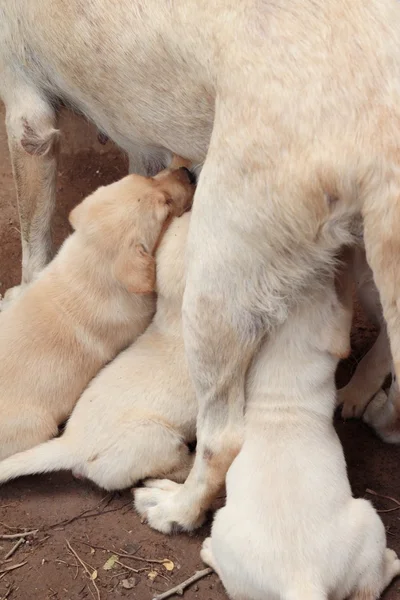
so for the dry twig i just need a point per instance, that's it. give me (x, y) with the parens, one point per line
(14, 548)
(130, 568)
(8, 593)
(12, 567)
(78, 558)
(372, 493)
(15, 536)
(85, 515)
(179, 589)
(123, 554)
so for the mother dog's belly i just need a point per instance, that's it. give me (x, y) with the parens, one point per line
(122, 66)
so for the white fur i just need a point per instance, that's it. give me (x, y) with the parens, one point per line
(136, 416)
(290, 529)
(88, 304)
(294, 110)
(364, 396)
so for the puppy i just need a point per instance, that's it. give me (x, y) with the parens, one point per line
(87, 305)
(134, 419)
(364, 396)
(290, 529)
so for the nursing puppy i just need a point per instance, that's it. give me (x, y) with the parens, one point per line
(134, 419)
(290, 529)
(87, 305)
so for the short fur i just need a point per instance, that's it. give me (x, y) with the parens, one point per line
(93, 299)
(290, 529)
(294, 108)
(137, 416)
(364, 396)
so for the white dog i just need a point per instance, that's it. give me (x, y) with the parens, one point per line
(92, 300)
(290, 529)
(292, 107)
(136, 417)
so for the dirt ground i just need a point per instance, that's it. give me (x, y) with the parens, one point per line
(66, 511)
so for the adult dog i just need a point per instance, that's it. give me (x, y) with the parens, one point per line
(294, 109)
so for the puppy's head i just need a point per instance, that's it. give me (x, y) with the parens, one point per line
(122, 222)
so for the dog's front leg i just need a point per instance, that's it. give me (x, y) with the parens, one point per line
(222, 330)
(33, 144)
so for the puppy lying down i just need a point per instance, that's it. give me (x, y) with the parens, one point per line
(88, 304)
(290, 529)
(134, 419)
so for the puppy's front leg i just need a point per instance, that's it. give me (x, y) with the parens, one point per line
(33, 144)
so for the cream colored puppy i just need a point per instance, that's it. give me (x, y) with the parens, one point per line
(87, 305)
(136, 417)
(290, 529)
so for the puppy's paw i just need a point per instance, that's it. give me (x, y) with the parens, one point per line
(167, 507)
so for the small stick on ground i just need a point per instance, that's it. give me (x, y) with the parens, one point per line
(78, 558)
(179, 589)
(12, 567)
(15, 536)
(9, 592)
(130, 568)
(84, 515)
(123, 554)
(9, 526)
(14, 548)
(372, 493)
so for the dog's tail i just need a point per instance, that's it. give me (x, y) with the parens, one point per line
(54, 455)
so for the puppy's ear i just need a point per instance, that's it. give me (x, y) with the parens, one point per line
(136, 270)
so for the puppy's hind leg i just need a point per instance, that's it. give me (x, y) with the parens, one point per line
(391, 569)
(33, 144)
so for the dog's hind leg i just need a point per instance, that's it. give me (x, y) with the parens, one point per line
(381, 212)
(245, 269)
(33, 144)
(368, 378)
(221, 333)
(383, 414)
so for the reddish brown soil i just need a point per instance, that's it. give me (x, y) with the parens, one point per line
(51, 572)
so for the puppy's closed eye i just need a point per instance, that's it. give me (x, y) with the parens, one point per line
(135, 268)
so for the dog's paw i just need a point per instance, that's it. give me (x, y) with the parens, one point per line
(167, 506)
(392, 563)
(206, 554)
(353, 405)
(375, 408)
